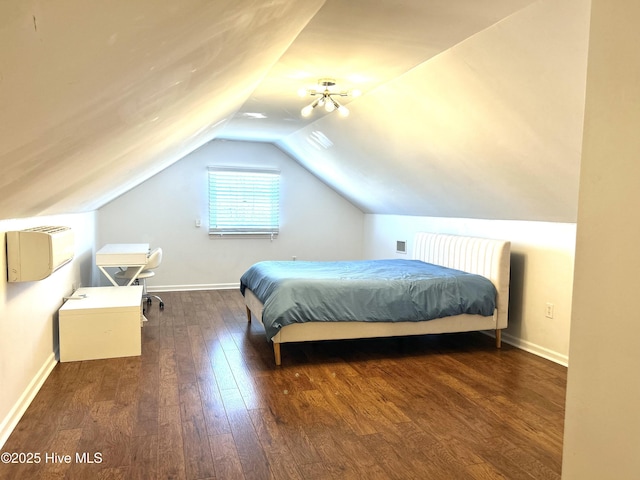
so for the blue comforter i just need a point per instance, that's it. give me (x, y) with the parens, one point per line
(368, 290)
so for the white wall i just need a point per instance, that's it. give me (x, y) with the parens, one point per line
(602, 422)
(542, 256)
(28, 316)
(316, 222)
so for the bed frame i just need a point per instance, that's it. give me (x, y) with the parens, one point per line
(487, 257)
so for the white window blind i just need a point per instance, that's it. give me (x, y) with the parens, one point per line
(244, 201)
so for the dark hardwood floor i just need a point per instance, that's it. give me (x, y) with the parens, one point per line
(206, 401)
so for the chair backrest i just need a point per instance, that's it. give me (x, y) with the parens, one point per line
(155, 258)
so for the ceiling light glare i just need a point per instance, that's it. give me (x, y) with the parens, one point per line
(257, 115)
(319, 139)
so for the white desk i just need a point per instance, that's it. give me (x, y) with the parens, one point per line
(122, 255)
(101, 322)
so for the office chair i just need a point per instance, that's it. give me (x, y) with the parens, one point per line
(153, 261)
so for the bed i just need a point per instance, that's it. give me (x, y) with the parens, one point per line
(477, 259)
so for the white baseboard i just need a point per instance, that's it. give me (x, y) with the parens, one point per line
(15, 414)
(192, 288)
(536, 349)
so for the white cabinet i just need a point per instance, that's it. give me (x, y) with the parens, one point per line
(101, 322)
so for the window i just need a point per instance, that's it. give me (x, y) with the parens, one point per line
(244, 201)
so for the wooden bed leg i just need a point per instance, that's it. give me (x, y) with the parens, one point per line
(498, 338)
(248, 315)
(276, 352)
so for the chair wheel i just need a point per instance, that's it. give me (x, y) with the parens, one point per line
(161, 306)
(149, 301)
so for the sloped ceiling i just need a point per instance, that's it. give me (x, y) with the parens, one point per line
(96, 97)
(490, 128)
(470, 108)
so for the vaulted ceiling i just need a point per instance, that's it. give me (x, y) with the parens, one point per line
(469, 109)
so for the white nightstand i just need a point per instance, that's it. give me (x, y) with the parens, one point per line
(101, 322)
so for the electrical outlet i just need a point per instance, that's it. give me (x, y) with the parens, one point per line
(548, 311)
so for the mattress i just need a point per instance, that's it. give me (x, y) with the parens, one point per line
(393, 290)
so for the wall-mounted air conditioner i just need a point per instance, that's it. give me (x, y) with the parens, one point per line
(36, 253)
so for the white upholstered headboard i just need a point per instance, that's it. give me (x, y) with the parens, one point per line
(483, 256)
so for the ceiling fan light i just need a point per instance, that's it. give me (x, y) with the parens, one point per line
(326, 98)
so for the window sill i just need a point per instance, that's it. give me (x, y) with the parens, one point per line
(237, 235)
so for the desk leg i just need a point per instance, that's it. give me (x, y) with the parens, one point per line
(136, 275)
(113, 282)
